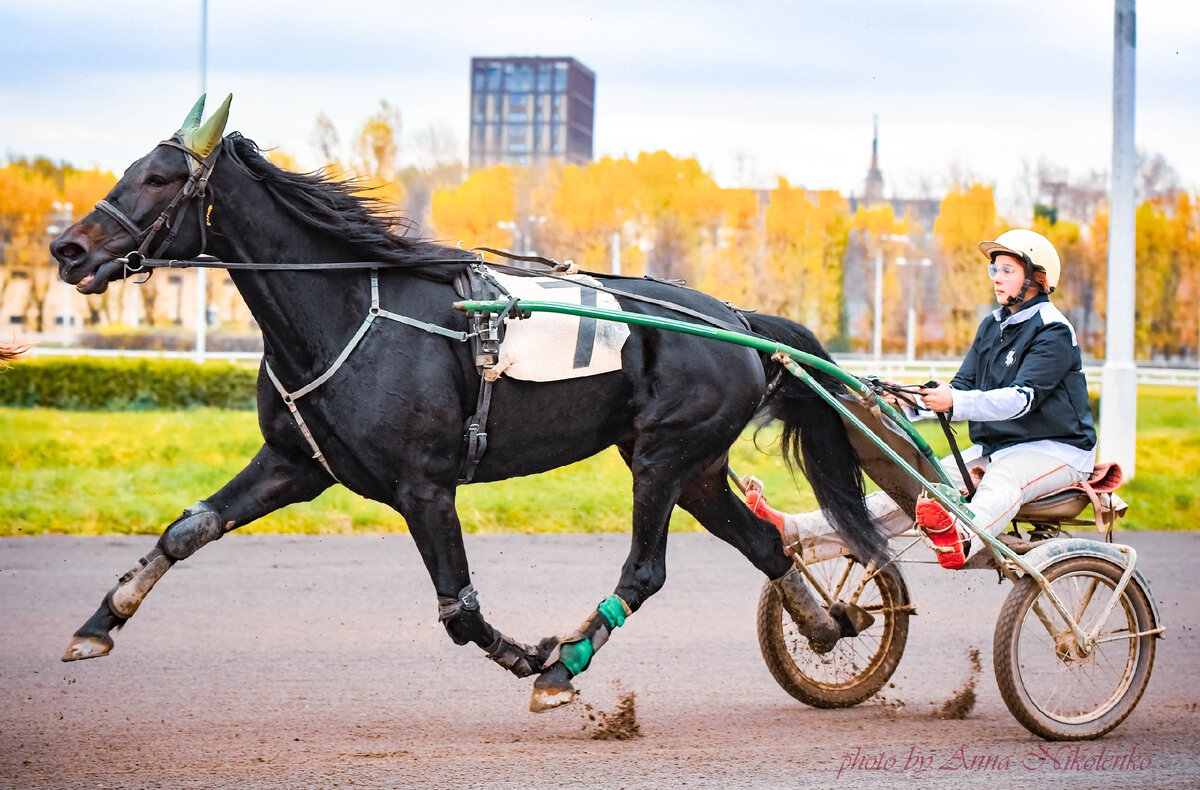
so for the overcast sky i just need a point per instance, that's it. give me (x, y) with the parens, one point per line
(791, 87)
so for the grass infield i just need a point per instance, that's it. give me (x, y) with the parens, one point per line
(96, 473)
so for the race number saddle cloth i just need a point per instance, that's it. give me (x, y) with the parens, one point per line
(550, 346)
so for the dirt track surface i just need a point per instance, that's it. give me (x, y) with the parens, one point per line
(272, 661)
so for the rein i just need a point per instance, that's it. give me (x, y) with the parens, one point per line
(136, 264)
(906, 394)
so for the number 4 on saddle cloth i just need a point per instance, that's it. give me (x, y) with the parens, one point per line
(552, 347)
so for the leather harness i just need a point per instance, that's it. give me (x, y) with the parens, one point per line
(474, 282)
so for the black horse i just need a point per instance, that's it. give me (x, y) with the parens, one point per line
(389, 423)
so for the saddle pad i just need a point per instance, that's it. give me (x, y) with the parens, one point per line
(552, 347)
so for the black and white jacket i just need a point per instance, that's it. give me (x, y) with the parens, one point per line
(1022, 384)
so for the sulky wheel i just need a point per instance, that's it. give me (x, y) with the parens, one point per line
(1054, 689)
(858, 666)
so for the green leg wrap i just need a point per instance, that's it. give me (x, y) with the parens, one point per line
(577, 655)
(577, 650)
(614, 610)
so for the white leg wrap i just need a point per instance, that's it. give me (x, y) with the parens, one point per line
(131, 590)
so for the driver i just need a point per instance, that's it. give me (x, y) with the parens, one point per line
(1021, 388)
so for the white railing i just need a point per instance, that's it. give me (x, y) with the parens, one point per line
(943, 370)
(858, 364)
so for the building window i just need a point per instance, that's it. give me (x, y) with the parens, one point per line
(479, 80)
(517, 147)
(545, 77)
(519, 79)
(175, 279)
(16, 319)
(560, 77)
(493, 80)
(17, 274)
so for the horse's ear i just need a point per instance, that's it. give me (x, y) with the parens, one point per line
(193, 117)
(204, 139)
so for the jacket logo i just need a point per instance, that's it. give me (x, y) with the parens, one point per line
(1010, 359)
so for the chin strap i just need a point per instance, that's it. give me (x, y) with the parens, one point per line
(1014, 302)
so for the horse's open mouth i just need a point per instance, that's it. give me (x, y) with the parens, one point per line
(97, 282)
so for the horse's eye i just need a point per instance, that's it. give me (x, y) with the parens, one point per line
(155, 181)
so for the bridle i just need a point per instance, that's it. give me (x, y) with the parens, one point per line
(196, 188)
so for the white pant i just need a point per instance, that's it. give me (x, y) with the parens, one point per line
(1015, 479)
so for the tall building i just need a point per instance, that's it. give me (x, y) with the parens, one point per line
(530, 110)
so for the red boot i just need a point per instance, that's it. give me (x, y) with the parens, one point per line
(759, 507)
(939, 526)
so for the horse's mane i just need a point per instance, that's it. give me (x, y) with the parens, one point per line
(339, 208)
(11, 352)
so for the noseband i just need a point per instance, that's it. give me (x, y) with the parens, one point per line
(195, 188)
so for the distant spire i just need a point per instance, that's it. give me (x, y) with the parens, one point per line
(873, 188)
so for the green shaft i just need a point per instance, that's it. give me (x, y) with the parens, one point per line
(742, 339)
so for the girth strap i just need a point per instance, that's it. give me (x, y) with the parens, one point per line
(475, 283)
(290, 398)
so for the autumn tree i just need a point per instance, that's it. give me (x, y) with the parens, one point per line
(375, 152)
(881, 239)
(36, 198)
(474, 211)
(735, 270)
(967, 217)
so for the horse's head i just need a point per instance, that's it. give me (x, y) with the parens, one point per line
(146, 208)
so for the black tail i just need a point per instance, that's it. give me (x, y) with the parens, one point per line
(815, 440)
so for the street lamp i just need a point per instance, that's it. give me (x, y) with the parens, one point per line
(877, 340)
(60, 220)
(910, 336)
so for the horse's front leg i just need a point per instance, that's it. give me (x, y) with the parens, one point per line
(428, 507)
(656, 488)
(268, 483)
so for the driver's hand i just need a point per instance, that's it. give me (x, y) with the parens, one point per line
(939, 398)
(890, 398)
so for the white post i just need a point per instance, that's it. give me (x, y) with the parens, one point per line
(877, 339)
(910, 343)
(616, 252)
(202, 274)
(1118, 394)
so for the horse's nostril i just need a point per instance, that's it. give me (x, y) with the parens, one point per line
(67, 251)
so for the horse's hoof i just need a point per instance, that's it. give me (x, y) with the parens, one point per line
(546, 699)
(552, 689)
(87, 647)
(852, 619)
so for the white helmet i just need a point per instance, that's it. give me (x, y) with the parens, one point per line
(1033, 248)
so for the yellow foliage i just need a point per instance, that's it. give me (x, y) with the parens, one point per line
(83, 188)
(471, 212)
(283, 160)
(966, 219)
(806, 247)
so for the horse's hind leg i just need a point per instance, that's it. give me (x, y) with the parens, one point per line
(710, 499)
(270, 482)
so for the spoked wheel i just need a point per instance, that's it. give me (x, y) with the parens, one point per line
(1053, 688)
(858, 666)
